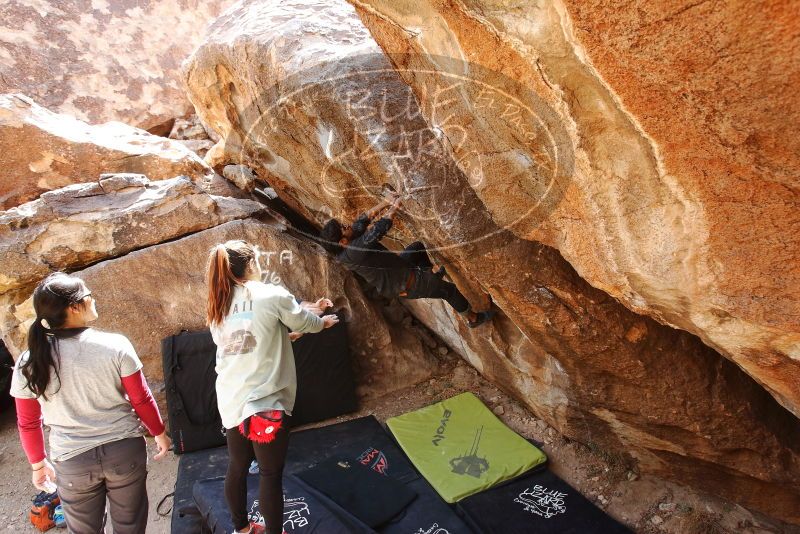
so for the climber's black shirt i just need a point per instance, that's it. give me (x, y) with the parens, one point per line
(382, 269)
(360, 226)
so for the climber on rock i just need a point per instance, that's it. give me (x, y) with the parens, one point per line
(408, 274)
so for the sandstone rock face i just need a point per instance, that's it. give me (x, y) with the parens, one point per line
(192, 134)
(81, 224)
(158, 291)
(105, 60)
(683, 200)
(302, 94)
(189, 128)
(241, 176)
(44, 151)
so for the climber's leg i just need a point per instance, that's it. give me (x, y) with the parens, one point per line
(427, 285)
(416, 255)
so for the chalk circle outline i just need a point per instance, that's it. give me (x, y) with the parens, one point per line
(560, 147)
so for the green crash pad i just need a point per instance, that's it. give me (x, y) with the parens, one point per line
(461, 448)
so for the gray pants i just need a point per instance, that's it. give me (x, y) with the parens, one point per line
(117, 470)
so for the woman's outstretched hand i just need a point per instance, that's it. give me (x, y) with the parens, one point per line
(44, 476)
(163, 443)
(329, 320)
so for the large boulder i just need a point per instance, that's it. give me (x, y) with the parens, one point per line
(44, 151)
(158, 291)
(301, 93)
(103, 60)
(682, 197)
(72, 227)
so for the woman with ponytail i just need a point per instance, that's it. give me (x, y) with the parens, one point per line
(84, 383)
(256, 381)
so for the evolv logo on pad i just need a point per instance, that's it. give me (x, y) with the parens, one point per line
(439, 436)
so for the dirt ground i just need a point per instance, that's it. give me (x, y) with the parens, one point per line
(648, 505)
(16, 490)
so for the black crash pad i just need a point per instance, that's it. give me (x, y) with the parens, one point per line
(304, 511)
(427, 514)
(188, 361)
(541, 503)
(362, 439)
(325, 385)
(194, 466)
(370, 496)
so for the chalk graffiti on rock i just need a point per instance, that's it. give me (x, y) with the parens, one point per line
(377, 132)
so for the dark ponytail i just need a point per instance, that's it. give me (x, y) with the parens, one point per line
(51, 298)
(227, 265)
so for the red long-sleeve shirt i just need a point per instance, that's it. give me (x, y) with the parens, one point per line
(29, 416)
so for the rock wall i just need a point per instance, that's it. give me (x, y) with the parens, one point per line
(301, 93)
(82, 224)
(103, 60)
(683, 198)
(164, 292)
(43, 150)
(142, 246)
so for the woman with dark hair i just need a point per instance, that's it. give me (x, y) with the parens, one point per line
(256, 380)
(83, 383)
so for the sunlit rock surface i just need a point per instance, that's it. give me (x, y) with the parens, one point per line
(302, 94)
(684, 198)
(81, 224)
(103, 60)
(158, 291)
(42, 150)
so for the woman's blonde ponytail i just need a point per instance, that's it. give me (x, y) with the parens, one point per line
(227, 263)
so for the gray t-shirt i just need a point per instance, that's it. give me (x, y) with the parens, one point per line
(89, 406)
(255, 362)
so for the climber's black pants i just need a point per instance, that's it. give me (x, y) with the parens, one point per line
(427, 285)
(416, 255)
